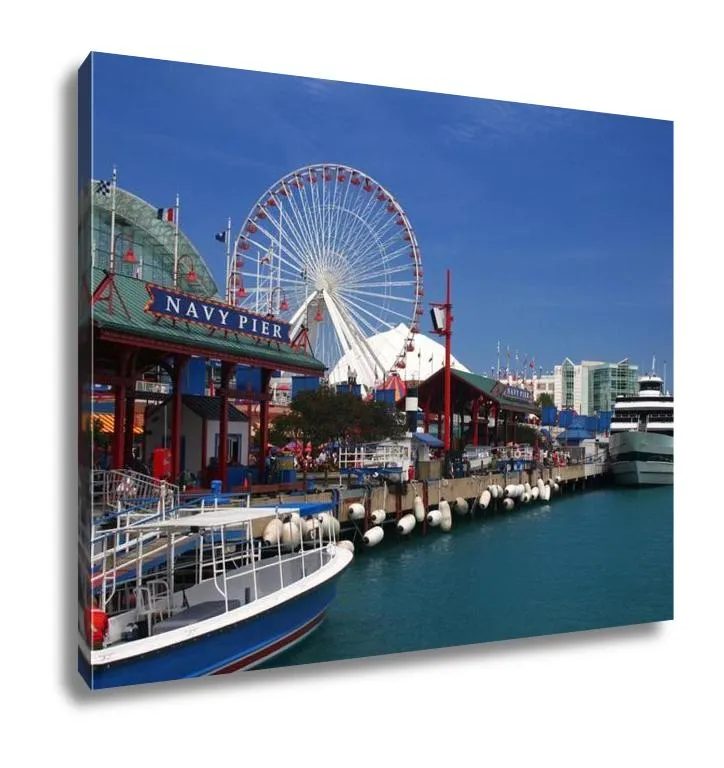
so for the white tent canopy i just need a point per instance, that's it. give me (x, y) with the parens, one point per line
(427, 357)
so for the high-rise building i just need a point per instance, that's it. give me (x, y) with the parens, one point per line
(592, 386)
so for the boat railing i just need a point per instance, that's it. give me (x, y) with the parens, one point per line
(220, 566)
(124, 534)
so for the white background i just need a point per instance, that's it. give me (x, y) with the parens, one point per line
(642, 695)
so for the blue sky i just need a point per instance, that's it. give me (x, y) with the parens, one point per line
(557, 225)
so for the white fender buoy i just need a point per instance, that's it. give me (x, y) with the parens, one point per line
(446, 522)
(405, 524)
(272, 531)
(356, 511)
(534, 493)
(493, 491)
(526, 487)
(418, 507)
(329, 525)
(559, 479)
(291, 535)
(310, 528)
(545, 493)
(460, 506)
(521, 489)
(500, 491)
(540, 483)
(556, 487)
(434, 517)
(525, 498)
(346, 544)
(508, 504)
(510, 492)
(373, 536)
(485, 499)
(378, 516)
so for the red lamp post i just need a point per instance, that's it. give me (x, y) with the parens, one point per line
(446, 331)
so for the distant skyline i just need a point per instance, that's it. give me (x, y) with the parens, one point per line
(557, 225)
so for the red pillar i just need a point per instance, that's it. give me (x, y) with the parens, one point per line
(448, 381)
(474, 420)
(129, 423)
(487, 419)
(264, 419)
(226, 371)
(178, 366)
(119, 411)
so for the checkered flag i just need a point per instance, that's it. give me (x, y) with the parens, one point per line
(103, 187)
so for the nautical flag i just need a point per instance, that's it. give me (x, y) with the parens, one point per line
(221, 236)
(164, 214)
(103, 188)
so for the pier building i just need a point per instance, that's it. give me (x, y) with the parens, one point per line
(148, 303)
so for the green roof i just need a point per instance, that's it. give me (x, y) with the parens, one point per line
(486, 385)
(134, 296)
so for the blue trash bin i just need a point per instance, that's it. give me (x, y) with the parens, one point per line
(216, 487)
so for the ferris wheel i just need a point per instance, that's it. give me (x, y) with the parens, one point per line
(329, 248)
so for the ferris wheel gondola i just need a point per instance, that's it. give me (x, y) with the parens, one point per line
(329, 248)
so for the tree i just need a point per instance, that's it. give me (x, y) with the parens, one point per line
(321, 415)
(544, 400)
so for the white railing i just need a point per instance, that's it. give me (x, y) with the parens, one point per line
(374, 457)
(133, 490)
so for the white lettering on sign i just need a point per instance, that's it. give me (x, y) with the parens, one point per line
(173, 304)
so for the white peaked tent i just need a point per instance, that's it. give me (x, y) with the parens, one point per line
(427, 357)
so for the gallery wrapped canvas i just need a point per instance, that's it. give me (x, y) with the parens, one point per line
(363, 370)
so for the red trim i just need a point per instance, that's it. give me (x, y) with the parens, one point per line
(252, 658)
(190, 349)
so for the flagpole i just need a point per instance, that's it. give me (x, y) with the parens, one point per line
(111, 258)
(175, 242)
(228, 261)
(279, 267)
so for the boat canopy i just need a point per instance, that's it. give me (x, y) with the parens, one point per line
(220, 517)
(427, 439)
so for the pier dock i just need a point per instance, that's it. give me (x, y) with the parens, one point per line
(397, 498)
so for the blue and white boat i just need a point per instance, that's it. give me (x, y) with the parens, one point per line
(240, 609)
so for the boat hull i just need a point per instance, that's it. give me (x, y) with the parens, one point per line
(642, 458)
(239, 646)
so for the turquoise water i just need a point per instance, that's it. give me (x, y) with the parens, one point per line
(589, 560)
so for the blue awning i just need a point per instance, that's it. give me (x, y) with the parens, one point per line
(429, 440)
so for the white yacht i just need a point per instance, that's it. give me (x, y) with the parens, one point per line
(641, 446)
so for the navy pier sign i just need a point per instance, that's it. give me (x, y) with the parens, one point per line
(181, 306)
(518, 393)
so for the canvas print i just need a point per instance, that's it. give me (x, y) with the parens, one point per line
(363, 371)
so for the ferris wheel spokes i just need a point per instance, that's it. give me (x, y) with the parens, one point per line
(329, 235)
(356, 339)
